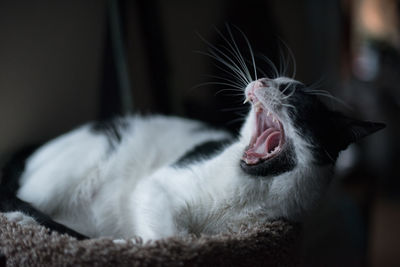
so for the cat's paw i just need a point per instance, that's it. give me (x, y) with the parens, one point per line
(20, 218)
(136, 241)
(120, 241)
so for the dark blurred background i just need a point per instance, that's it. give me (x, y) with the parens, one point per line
(63, 63)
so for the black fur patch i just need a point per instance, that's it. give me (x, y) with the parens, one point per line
(13, 168)
(283, 162)
(3, 260)
(10, 203)
(202, 151)
(111, 128)
(328, 131)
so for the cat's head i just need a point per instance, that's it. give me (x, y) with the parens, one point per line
(289, 127)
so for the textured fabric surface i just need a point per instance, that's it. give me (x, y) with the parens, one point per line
(272, 244)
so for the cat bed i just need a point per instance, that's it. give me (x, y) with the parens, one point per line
(271, 244)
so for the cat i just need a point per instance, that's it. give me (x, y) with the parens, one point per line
(158, 176)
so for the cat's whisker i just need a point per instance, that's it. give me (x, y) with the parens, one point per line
(259, 70)
(329, 156)
(289, 95)
(227, 90)
(284, 63)
(241, 62)
(239, 101)
(240, 75)
(231, 86)
(328, 95)
(238, 89)
(237, 84)
(315, 85)
(235, 51)
(241, 81)
(238, 52)
(239, 92)
(287, 87)
(250, 50)
(235, 121)
(290, 58)
(232, 67)
(262, 72)
(241, 108)
(272, 65)
(215, 50)
(288, 105)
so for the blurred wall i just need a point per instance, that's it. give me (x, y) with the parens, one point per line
(50, 63)
(51, 66)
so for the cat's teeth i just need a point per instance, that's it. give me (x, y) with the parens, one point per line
(246, 100)
(276, 149)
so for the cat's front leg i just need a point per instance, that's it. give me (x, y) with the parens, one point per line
(153, 208)
(154, 223)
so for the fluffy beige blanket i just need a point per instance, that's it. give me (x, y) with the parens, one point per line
(272, 244)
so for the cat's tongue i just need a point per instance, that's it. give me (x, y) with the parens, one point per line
(261, 146)
(273, 141)
(265, 144)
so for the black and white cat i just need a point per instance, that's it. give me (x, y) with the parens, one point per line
(158, 176)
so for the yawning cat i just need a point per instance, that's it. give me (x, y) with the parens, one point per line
(158, 176)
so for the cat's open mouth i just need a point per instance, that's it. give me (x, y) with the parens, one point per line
(267, 138)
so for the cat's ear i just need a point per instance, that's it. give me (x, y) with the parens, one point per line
(352, 130)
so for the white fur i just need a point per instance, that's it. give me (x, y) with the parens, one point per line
(20, 218)
(136, 191)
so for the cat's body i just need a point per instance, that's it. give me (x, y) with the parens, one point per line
(98, 185)
(158, 176)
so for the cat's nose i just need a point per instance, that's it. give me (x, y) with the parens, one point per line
(261, 83)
